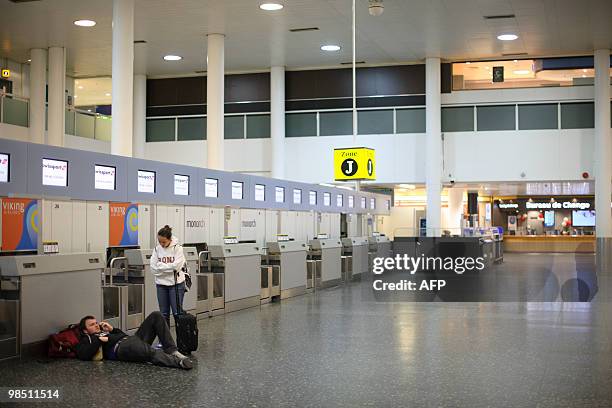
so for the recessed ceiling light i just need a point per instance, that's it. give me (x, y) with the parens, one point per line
(29, 60)
(107, 94)
(487, 67)
(330, 47)
(522, 72)
(271, 6)
(468, 62)
(80, 86)
(408, 186)
(584, 70)
(76, 96)
(85, 23)
(172, 57)
(515, 61)
(507, 37)
(584, 76)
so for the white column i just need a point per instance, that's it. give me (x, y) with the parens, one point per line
(56, 115)
(38, 81)
(123, 77)
(433, 147)
(215, 100)
(603, 145)
(277, 120)
(140, 115)
(455, 209)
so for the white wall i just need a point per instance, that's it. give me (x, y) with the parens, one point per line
(245, 155)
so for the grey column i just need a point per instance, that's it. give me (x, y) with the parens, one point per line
(603, 162)
(56, 114)
(433, 176)
(38, 81)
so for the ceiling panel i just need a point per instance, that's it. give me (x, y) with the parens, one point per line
(408, 31)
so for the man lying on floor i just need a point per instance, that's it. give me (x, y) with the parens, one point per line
(116, 345)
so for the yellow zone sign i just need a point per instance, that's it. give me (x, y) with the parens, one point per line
(355, 163)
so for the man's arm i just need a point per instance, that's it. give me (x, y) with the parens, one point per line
(88, 347)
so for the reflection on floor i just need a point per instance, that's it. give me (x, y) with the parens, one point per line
(337, 348)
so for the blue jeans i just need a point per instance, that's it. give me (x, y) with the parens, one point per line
(166, 297)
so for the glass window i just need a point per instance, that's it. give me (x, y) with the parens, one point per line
(458, 119)
(85, 125)
(538, 116)
(234, 127)
(375, 122)
(104, 128)
(15, 112)
(410, 120)
(300, 124)
(191, 129)
(160, 130)
(258, 127)
(335, 123)
(500, 117)
(577, 115)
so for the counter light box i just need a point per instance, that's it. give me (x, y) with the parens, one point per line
(5, 160)
(549, 218)
(54, 173)
(583, 218)
(351, 201)
(297, 196)
(105, 177)
(363, 202)
(326, 199)
(181, 185)
(146, 181)
(237, 190)
(339, 200)
(260, 192)
(372, 203)
(313, 198)
(279, 192)
(211, 188)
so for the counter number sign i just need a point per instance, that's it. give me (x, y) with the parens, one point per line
(6, 73)
(355, 163)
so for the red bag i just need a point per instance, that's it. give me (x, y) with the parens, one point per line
(63, 344)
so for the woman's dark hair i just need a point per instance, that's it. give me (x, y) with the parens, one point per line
(165, 232)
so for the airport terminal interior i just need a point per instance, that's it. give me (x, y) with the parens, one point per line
(372, 202)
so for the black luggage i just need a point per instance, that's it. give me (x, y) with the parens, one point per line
(186, 328)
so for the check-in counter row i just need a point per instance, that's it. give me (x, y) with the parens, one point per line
(41, 294)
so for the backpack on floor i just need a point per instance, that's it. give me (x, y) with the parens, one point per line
(63, 344)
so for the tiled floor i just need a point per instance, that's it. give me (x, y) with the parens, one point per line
(338, 348)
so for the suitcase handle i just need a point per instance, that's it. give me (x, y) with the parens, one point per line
(179, 306)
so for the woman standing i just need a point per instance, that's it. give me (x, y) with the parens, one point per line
(167, 263)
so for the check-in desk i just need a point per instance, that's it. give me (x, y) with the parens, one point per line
(240, 264)
(290, 258)
(191, 297)
(123, 296)
(380, 247)
(211, 288)
(356, 251)
(139, 271)
(42, 294)
(327, 253)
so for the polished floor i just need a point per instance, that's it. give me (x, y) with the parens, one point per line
(341, 348)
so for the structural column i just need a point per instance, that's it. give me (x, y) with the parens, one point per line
(433, 177)
(455, 210)
(140, 115)
(277, 120)
(603, 162)
(56, 115)
(38, 82)
(215, 95)
(123, 77)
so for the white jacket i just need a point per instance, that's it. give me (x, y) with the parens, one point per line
(164, 261)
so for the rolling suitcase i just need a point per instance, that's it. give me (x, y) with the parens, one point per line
(186, 328)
